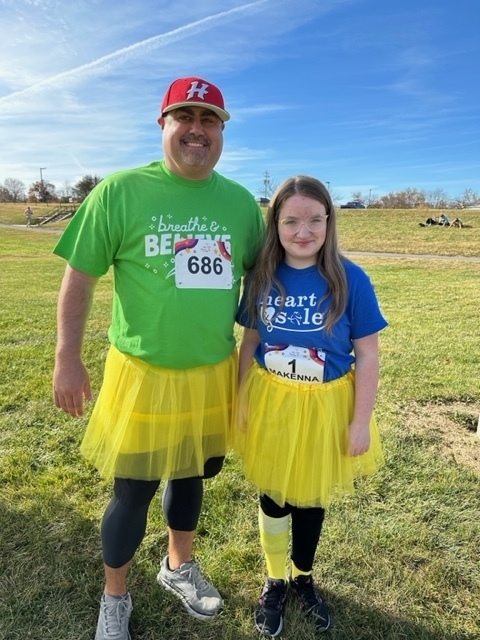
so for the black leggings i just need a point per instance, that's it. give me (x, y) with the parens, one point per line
(125, 518)
(306, 529)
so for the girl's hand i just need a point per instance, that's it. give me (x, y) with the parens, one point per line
(359, 439)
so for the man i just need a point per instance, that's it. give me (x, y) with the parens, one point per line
(179, 237)
(28, 217)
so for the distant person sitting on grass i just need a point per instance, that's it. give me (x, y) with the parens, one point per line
(444, 221)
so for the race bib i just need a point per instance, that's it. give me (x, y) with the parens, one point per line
(295, 363)
(203, 264)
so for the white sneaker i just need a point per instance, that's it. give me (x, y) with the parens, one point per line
(198, 596)
(113, 618)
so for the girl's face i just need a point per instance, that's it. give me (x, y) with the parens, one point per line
(302, 229)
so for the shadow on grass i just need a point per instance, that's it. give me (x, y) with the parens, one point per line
(352, 620)
(51, 579)
(46, 585)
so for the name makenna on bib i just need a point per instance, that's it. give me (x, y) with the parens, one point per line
(299, 364)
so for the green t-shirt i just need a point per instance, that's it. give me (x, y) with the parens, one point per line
(179, 249)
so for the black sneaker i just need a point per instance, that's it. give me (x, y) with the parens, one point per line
(314, 607)
(269, 612)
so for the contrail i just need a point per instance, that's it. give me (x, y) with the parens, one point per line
(96, 67)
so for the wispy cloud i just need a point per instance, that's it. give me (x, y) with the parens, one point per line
(106, 63)
(261, 109)
(327, 87)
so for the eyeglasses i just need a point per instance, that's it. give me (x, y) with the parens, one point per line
(293, 225)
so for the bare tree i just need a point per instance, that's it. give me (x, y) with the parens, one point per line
(335, 196)
(439, 199)
(367, 199)
(469, 196)
(357, 196)
(4, 194)
(407, 199)
(66, 192)
(15, 189)
(373, 201)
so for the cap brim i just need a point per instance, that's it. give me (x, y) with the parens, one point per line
(221, 113)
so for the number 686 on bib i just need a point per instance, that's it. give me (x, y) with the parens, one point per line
(203, 264)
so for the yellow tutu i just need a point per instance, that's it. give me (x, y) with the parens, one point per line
(293, 438)
(151, 423)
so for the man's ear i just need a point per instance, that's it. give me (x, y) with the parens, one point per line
(161, 122)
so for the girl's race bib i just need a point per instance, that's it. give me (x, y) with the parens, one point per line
(295, 363)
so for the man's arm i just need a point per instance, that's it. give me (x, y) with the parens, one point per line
(71, 382)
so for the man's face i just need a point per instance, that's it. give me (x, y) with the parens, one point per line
(192, 141)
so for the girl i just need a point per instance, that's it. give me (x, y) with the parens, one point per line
(306, 426)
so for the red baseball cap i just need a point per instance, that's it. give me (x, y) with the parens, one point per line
(194, 92)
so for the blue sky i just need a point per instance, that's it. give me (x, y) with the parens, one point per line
(367, 95)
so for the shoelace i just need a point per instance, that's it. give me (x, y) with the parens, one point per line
(309, 598)
(116, 615)
(272, 598)
(198, 580)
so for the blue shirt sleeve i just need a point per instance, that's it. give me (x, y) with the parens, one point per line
(362, 309)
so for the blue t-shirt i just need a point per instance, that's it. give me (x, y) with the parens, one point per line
(298, 334)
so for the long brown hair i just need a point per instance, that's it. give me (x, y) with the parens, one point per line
(262, 276)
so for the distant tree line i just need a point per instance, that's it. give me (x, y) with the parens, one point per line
(417, 198)
(13, 190)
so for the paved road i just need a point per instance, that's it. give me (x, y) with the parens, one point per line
(412, 255)
(35, 227)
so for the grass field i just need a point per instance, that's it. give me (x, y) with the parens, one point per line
(398, 560)
(377, 230)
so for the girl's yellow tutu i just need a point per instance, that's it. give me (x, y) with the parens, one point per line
(293, 438)
(151, 423)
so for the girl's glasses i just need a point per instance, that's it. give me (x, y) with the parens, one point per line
(293, 225)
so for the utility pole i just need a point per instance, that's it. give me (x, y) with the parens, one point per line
(42, 191)
(266, 184)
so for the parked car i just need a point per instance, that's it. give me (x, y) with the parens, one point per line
(355, 204)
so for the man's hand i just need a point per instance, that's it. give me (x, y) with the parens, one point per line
(71, 384)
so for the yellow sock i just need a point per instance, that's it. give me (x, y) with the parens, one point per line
(274, 541)
(296, 572)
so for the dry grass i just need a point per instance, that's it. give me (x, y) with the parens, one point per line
(451, 430)
(398, 231)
